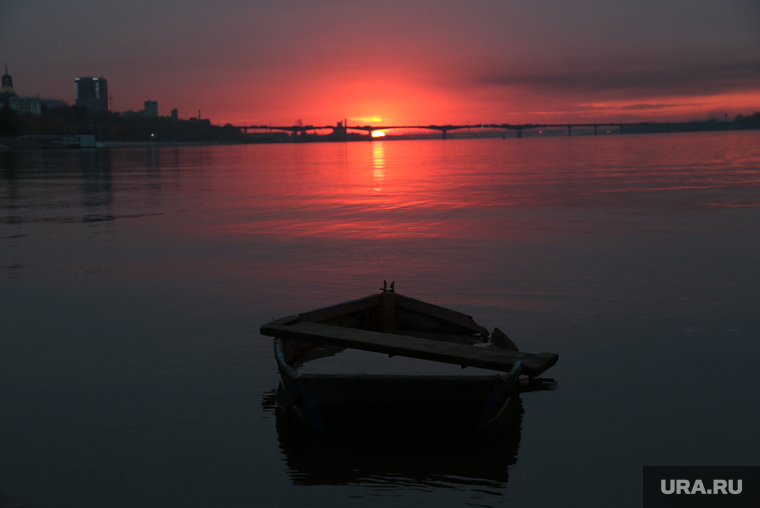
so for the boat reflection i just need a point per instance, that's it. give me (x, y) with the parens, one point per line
(412, 458)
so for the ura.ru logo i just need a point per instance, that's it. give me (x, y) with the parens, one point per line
(686, 487)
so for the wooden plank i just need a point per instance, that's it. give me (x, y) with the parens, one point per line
(341, 309)
(460, 338)
(287, 320)
(540, 363)
(502, 341)
(413, 347)
(438, 312)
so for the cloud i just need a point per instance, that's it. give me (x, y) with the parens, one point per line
(633, 77)
(655, 106)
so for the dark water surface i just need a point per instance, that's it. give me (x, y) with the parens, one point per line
(133, 283)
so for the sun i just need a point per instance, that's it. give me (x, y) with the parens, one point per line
(378, 134)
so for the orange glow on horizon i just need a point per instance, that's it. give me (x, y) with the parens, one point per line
(405, 100)
(378, 134)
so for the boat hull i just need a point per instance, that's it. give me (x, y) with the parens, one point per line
(364, 401)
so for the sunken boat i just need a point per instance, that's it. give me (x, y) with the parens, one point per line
(389, 361)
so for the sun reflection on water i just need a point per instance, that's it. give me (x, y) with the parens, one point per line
(378, 163)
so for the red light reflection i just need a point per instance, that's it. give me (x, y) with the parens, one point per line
(466, 188)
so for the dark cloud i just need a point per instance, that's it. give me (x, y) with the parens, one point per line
(634, 77)
(655, 106)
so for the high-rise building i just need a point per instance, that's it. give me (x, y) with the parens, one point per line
(92, 93)
(151, 108)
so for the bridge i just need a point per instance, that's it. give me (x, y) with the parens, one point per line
(342, 128)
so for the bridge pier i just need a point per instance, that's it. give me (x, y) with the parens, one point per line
(519, 132)
(569, 130)
(595, 129)
(444, 131)
(621, 129)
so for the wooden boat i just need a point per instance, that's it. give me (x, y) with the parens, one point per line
(425, 337)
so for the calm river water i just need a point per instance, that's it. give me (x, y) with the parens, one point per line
(133, 282)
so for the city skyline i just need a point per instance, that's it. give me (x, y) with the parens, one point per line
(263, 62)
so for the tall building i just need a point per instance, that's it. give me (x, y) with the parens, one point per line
(92, 93)
(151, 108)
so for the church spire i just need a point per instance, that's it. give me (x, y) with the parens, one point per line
(7, 84)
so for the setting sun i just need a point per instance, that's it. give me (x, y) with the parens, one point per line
(378, 134)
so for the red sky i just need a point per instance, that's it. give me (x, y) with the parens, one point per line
(405, 62)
